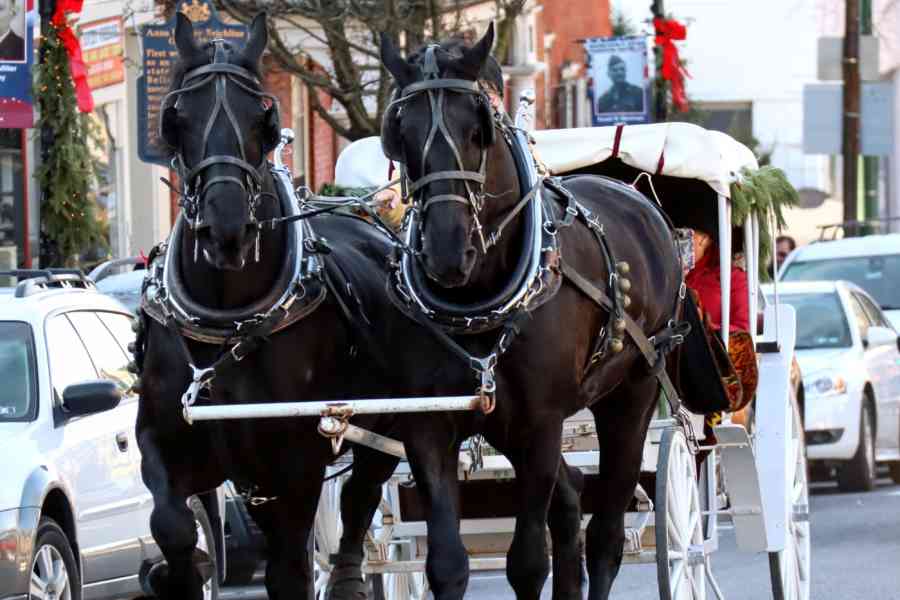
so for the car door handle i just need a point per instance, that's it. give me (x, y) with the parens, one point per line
(122, 441)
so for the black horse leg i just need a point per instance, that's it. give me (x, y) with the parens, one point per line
(621, 419)
(173, 527)
(360, 497)
(436, 475)
(536, 465)
(564, 520)
(287, 522)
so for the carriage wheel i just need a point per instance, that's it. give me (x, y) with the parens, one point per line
(680, 556)
(327, 531)
(790, 567)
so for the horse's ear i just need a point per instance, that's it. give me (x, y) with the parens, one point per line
(168, 127)
(271, 129)
(258, 39)
(184, 36)
(403, 72)
(474, 58)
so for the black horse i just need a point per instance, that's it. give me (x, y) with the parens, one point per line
(586, 347)
(240, 307)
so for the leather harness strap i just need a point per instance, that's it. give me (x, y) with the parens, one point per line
(647, 346)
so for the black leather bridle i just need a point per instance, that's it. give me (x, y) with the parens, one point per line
(194, 184)
(436, 87)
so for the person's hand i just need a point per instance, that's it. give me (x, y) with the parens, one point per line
(386, 200)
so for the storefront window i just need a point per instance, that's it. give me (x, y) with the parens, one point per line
(12, 200)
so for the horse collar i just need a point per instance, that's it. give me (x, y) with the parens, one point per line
(299, 290)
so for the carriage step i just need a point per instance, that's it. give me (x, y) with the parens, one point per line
(742, 479)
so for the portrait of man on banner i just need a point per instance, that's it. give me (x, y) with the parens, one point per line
(618, 70)
(12, 31)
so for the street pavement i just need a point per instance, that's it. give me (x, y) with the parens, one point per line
(855, 555)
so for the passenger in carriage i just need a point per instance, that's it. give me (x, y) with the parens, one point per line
(704, 281)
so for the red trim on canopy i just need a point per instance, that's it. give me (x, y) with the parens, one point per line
(618, 140)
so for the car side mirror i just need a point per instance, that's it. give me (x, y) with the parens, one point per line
(80, 399)
(880, 336)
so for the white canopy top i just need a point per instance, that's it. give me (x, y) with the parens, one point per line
(676, 149)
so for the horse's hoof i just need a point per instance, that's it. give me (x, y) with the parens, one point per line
(204, 565)
(154, 578)
(346, 580)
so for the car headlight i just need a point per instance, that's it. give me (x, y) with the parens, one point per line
(829, 384)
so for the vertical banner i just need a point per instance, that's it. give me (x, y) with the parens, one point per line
(160, 56)
(619, 80)
(17, 18)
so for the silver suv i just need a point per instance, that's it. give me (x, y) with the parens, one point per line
(74, 511)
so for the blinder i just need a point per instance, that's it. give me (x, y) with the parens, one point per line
(194, 183)
(391, 144)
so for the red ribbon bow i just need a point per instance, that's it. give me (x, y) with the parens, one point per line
(667, 31)
(73, 49)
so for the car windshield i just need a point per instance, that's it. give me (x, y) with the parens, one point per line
(17, 392)
(821, 322)
(875, 274)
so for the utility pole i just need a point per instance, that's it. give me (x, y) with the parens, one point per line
(46, 9)
(870, 163)
(851, 116)
(660, 85)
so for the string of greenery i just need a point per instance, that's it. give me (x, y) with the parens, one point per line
(763, 192)
(68, 222)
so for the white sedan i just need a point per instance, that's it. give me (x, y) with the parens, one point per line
(849, 355)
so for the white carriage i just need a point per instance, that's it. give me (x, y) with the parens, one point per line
(756, 480)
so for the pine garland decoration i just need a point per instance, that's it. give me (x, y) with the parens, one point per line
(763, 192)
(68, 223)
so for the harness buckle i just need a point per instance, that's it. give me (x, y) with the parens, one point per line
(201, 379)
(234, 353)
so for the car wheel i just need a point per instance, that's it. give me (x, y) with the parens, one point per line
(206, 543)
(858, 474)
(54, 573)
